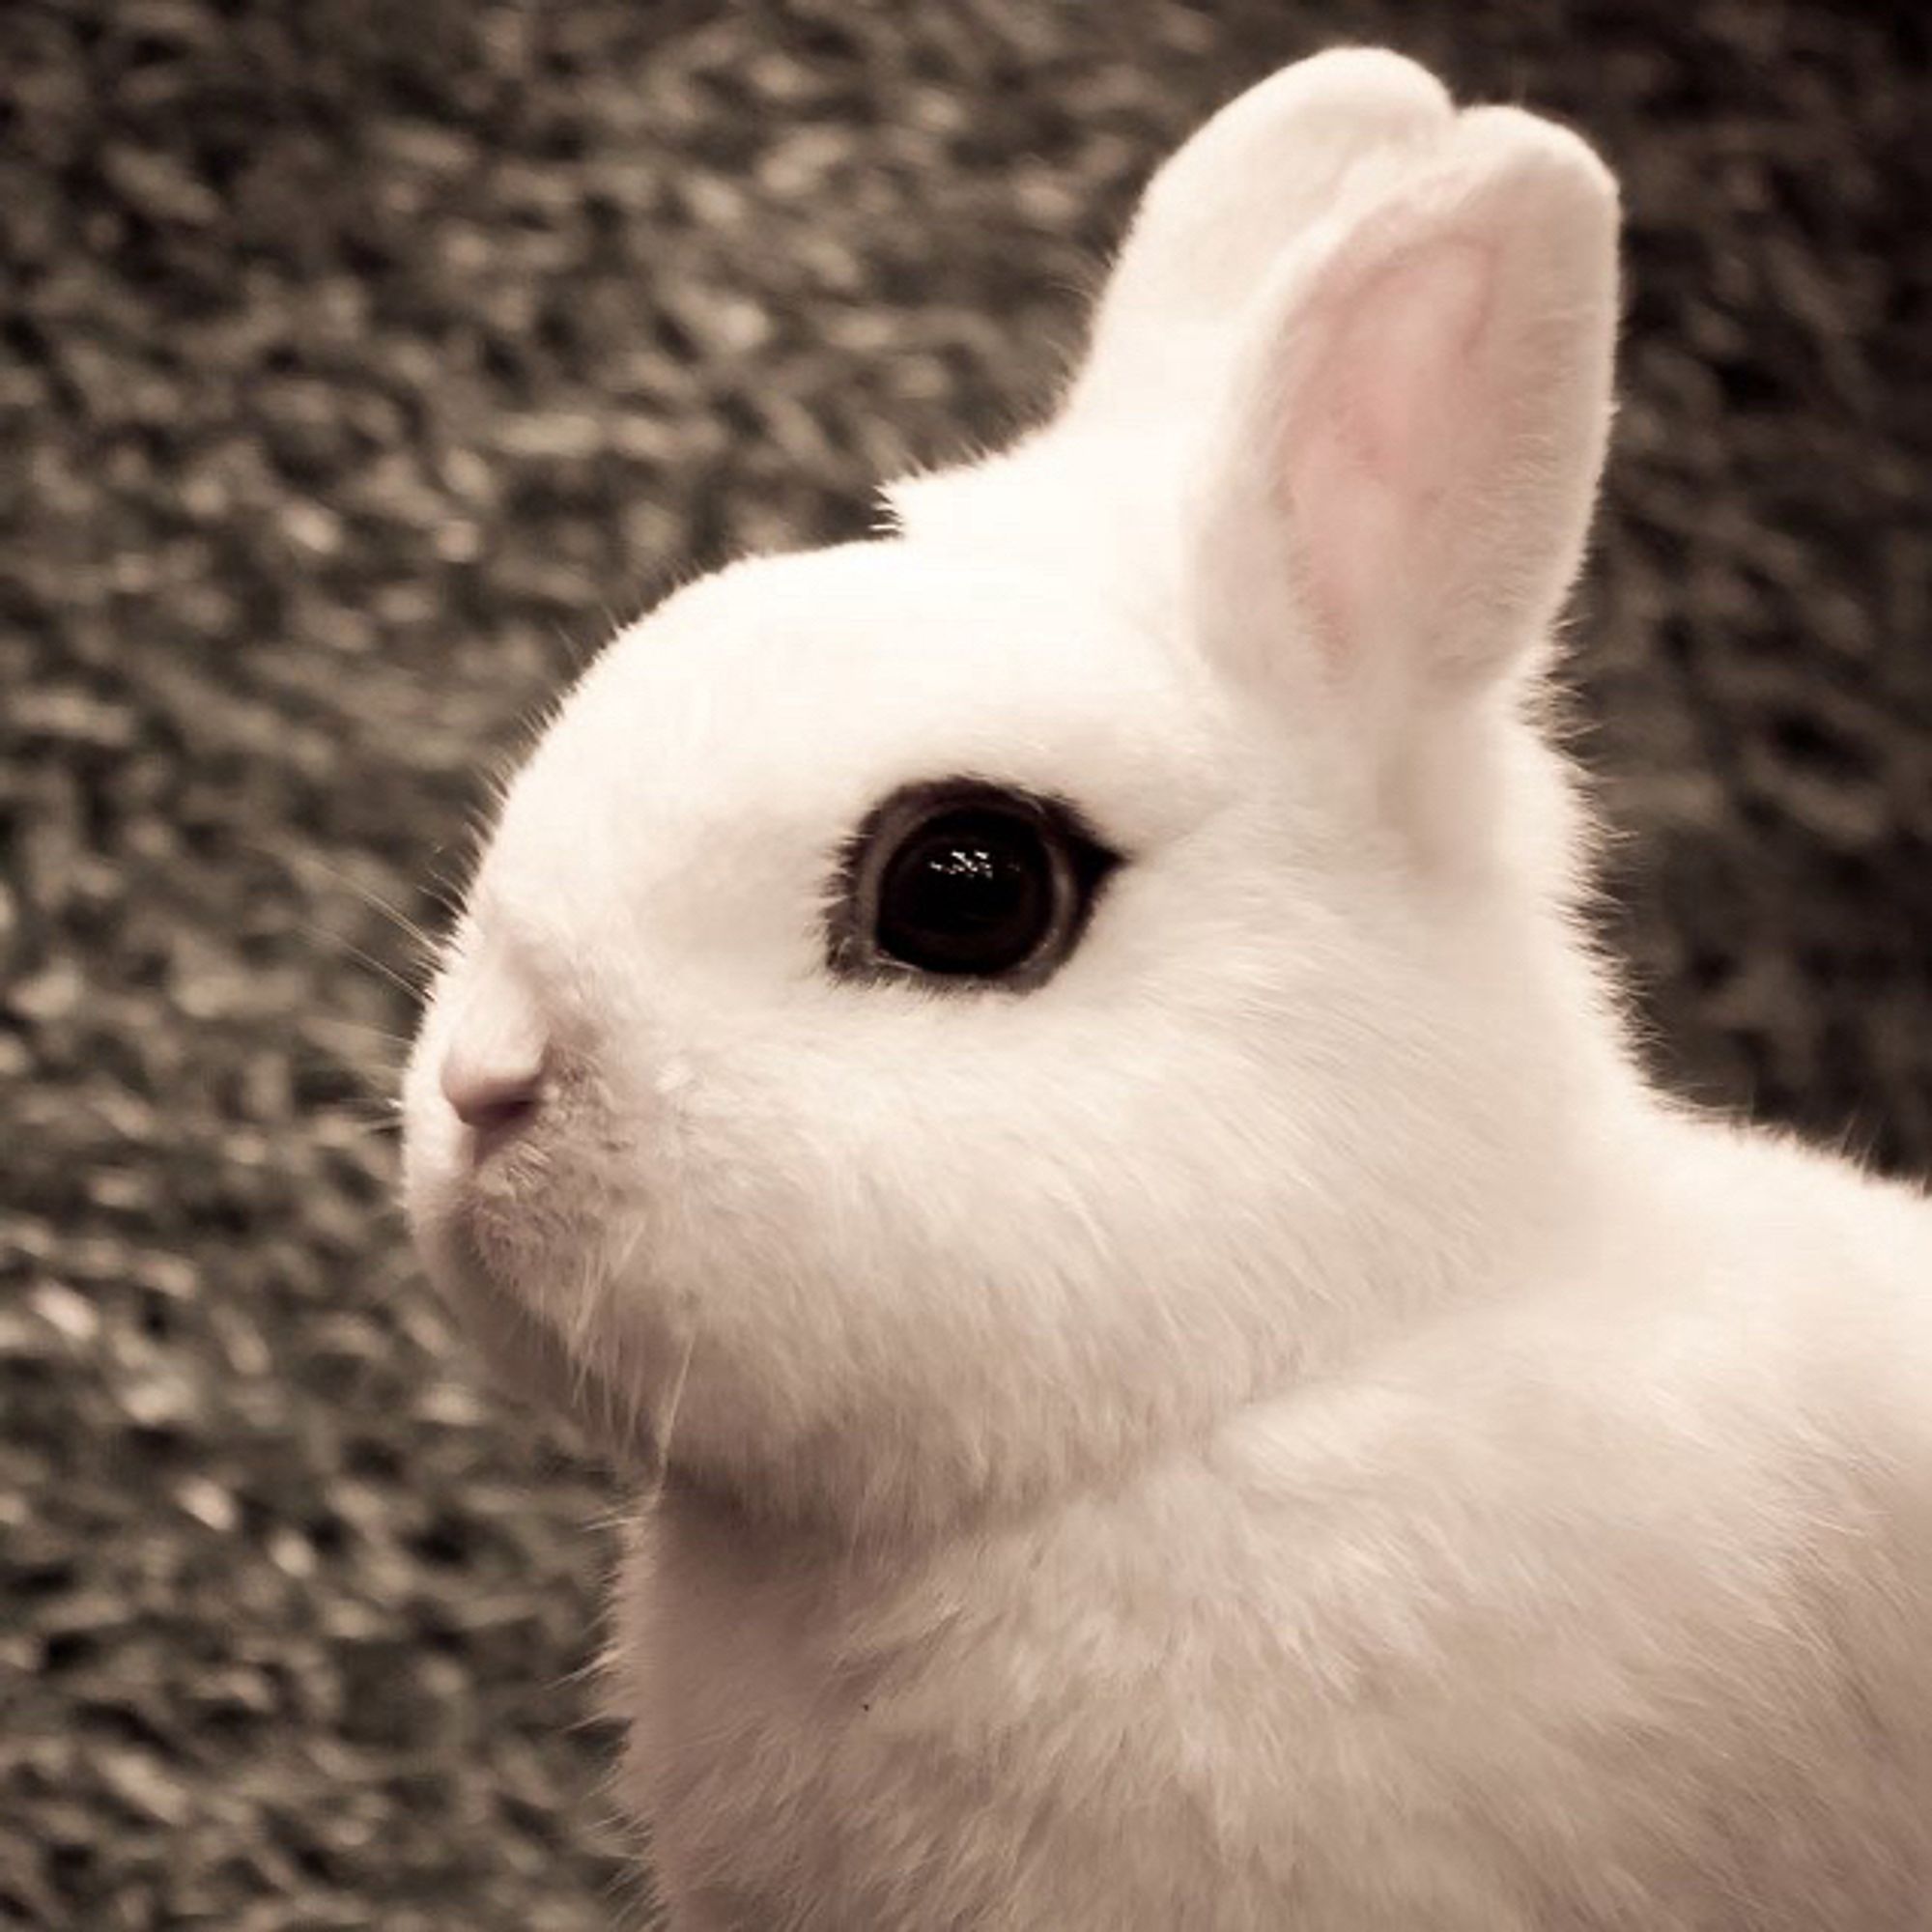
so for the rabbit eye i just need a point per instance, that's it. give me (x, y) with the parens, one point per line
(970, 891)
(968, 881)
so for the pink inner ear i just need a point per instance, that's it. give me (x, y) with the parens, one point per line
(1389, 411)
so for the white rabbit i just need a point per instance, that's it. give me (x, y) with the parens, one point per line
(1050, 1064)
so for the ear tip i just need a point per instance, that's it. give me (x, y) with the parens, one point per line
(1370, 77)
(1528, 153)
(1371, 93)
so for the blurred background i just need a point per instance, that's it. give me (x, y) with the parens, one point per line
(361, 365)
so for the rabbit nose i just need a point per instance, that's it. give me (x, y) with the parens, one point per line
(493, 1073)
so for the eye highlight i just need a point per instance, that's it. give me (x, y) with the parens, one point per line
(962, 881)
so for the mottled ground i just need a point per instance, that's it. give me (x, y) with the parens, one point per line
(359, 364)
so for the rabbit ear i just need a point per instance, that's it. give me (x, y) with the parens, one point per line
(1407, 448)
(1220, 213)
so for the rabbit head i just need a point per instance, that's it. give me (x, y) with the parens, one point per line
(952, 1011)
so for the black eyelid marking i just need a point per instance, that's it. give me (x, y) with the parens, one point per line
(852, 898)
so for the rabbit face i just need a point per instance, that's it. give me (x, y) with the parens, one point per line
(940, 1014)
(878, 1203)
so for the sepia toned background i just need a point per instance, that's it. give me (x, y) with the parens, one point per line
(361, 363)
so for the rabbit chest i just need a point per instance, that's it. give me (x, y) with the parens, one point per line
(1372, 1664)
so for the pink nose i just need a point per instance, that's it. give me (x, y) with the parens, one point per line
(492, 1077)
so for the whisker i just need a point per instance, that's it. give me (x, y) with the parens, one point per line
(375, 1084)
(576, 1345)
(321, 1025)
(382, 1127)
(447, 893)
(375, 965)
(662, 1434)
(578, 654)
(315, 862)
(622, 1410)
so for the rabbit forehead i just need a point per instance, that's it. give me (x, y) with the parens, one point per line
(798, 690)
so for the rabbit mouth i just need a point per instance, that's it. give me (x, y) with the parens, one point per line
(541, 1225)
(545, 1336)
(502, 1214)
(510, 1184)
(505, 1237)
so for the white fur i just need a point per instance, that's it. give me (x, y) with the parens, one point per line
(1280, 1426)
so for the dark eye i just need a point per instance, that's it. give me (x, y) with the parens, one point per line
(968, 881)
